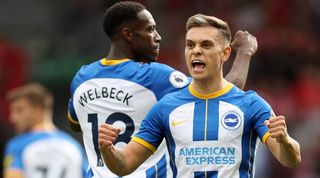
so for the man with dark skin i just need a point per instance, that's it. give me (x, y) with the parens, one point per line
(121, 88)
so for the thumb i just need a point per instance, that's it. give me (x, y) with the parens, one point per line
(267, 123)
(117, 130)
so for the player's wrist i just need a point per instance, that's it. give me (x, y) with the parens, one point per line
(285, 142)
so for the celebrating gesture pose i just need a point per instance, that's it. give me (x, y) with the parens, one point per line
(211, 127)
(121, 88)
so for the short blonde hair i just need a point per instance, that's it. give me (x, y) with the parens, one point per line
(35, 93)
(200, 20)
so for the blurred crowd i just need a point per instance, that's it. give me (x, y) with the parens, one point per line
(46, 41)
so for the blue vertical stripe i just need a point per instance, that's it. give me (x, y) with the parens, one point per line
(244, 170)
(159, 170)
(171, 147)
(206, 174)
(212, 174)
(199, 121)
(253, 143)
(213, 121)
(89, 173)
(198, 174)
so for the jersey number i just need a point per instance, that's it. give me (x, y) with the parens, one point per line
(114, 117)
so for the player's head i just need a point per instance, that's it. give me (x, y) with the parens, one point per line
(132, 24)
(207, 45)
(29, 105)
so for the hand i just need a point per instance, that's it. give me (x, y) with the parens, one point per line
(278, 128)
(243, 41)
(107, 135)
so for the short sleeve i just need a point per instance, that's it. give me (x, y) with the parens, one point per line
(13, 156)
(262, 111)
(71, 113)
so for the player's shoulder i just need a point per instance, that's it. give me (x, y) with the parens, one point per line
(235, 91)
(88, 68)
(158, 65)
(176, 98)
(252, 98)
(176, 78)
(65, 136)
(19, 142)
(253, 95)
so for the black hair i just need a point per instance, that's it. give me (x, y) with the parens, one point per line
(119, 13)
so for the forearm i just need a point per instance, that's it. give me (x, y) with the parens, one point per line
(115, 161)
(239, 70)
(289, 155)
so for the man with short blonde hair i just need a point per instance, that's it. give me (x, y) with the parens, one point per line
(40, 149)
(211, 126)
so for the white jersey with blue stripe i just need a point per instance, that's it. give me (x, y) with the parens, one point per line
(120, 92)
(48, 154)
(213, 136)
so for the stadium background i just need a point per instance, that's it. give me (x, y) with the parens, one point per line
(47, 41)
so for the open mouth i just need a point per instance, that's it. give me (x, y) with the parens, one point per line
(198, 64)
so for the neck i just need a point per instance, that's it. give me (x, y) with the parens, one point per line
(206, 87)
(119, 51)
(45, 125)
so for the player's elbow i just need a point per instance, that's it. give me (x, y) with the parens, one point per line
(294, 162)
(291, 161)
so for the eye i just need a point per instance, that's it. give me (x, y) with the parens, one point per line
(189, 44)
(207, 44)
(151, 29)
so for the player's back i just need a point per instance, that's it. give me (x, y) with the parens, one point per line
(46, 154)
(120, 92)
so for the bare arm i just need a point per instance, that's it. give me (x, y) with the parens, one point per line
(120, 161)
(284, 148)
(245, 45)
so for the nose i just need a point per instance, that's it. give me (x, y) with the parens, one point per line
(197, 50)
(157, 37)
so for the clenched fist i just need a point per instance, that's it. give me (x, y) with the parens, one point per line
(107, 135)
(244, 42)
(278, 128)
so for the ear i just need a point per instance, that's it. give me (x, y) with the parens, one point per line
(127, 34)
(226, 53)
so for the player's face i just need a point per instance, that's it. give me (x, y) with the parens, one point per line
(22, 115)
(205, 53)
(146, 40)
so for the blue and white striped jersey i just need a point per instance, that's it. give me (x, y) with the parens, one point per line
(120, 92)
(213, 135)
(41, 154)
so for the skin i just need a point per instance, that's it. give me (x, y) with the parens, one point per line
(140, 40)
(204, 44)
(137, 40)
(27, 117)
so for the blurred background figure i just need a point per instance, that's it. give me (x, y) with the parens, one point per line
(39, 149)
(60, 36)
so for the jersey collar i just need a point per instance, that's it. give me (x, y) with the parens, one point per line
(211, 95)
(110, 62)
